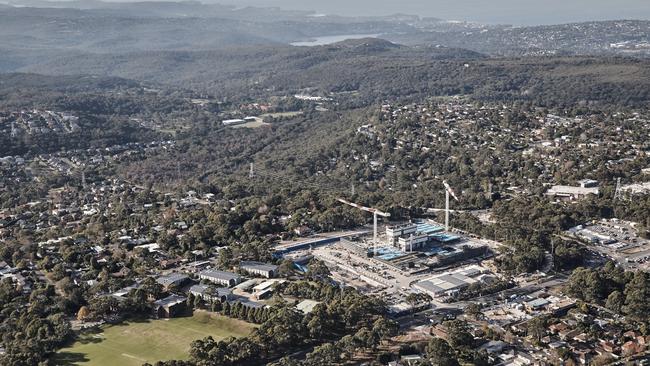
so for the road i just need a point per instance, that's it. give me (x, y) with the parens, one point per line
(289, 244)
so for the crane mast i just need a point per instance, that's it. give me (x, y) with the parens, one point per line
(375, 213)
(448, 192)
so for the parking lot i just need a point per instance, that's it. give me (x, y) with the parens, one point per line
(616, 239)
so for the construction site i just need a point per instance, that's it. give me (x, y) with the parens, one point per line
(395, 259)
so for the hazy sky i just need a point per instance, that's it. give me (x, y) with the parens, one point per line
(486, 11)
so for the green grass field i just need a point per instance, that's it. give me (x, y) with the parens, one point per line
(282, 114)
(256, 124)
(136, 342)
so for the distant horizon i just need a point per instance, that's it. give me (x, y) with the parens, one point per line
(505, 12)
(515, 12)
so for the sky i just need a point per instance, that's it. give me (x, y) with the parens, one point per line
(517, 12)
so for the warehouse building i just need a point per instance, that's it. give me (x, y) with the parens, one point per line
(450, 283)
(587, 187)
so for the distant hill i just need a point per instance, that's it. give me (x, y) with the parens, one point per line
(375, 70)
(241, 53)
(625, 37)
(167, 26)
(77, 83)
(376, 66)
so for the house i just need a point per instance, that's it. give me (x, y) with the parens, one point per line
(584, 355)
(568, 334)
(494, 347)
(630, 348)
(411, 360)
(169, 307)
(210, 293)
(223, 278)
(557, 328)
(169, 263)
(259, 268)
(536, 305)
(582, 337)
(608, 346)
(302, 230)
(307, 306)
(173, 280)
(630, 334)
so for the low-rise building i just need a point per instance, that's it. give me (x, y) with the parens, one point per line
(259, 268)
(211, 293)
(169, 307)
(233, 122)
(571, 192)
(223, 278)
(173, 280)
(444, 284)
(307, 306)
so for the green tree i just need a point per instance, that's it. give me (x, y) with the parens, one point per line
(440, 353)
(637, 293)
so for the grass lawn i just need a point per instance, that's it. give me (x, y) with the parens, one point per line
(282, 114)
(254, 124)
(136, 342)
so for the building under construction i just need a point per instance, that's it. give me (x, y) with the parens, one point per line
(417, 236)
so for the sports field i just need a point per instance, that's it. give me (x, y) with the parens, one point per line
(254, 124)
(136, 342)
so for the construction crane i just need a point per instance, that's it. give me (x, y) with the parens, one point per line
(617, 192)
(375, 213)
(448, 192)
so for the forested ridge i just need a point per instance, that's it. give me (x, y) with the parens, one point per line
(378, 70)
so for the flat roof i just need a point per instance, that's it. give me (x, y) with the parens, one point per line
(570, 190)
(442, 237)
(429, 228)
(537, 303)
(446, 282)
